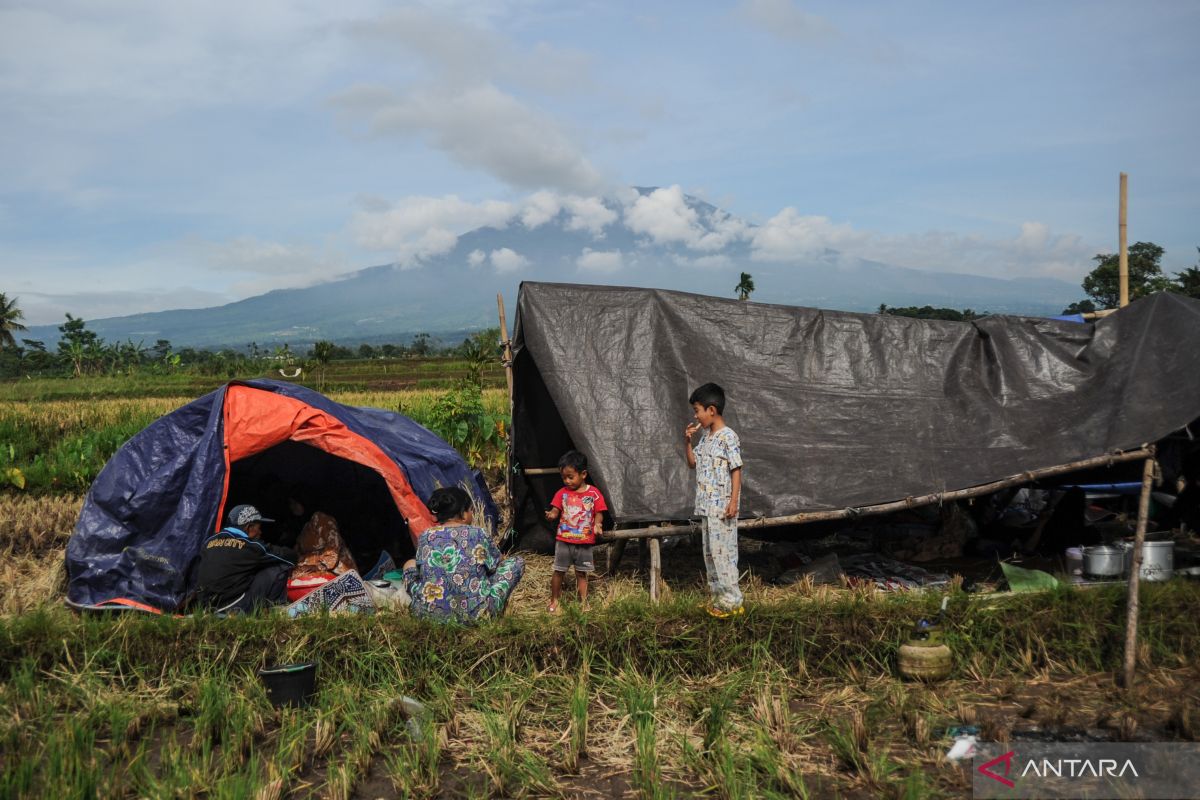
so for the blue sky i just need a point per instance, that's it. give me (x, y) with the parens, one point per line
(161, 155)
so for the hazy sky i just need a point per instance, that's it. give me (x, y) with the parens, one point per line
(160, 154)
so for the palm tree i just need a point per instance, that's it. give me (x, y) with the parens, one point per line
(745, 286)
(10, 320)
(322, 352)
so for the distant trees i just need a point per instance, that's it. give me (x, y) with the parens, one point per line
(1103, 284)
(745, 286)
(929, 312)
(82, 352)
(10, 320)
(322, 353)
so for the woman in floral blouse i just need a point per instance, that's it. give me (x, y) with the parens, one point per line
(458, 573)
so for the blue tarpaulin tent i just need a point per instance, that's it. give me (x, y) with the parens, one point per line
(153, 504)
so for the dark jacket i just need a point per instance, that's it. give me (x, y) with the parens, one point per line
(230, 560)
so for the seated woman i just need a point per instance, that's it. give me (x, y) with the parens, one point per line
(458, 573)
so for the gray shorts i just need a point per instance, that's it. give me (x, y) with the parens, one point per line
(579, 555)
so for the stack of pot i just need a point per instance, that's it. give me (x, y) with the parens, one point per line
(1110, 562)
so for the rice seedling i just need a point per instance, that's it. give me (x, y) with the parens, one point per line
(577, 730)
(639, 696)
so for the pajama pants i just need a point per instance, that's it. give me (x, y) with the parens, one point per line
(720, 561)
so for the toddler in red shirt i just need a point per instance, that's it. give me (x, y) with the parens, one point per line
(579, 509)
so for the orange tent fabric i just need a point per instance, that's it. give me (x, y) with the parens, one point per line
(256, 421)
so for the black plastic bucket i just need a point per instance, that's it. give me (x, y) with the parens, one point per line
(289, 684)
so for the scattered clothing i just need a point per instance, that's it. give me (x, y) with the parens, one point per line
(347, 593)
(888, 574)
(460, 575)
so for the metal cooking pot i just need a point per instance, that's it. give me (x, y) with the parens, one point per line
(1103, 561)
(1158, 559)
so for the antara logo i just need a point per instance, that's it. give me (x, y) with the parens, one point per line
(1006, 760)
(1058, 768)
(1080, 768)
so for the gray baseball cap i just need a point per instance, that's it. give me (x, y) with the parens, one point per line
(240, 516)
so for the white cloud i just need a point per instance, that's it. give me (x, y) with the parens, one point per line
(665, 217)
(583, 213)
(482, 127)
(789, 235)
(461, 51)
(604, 261)
(540, 208)
(463, 98)
(784, 19)
(476, 258)
(1033, 251)
(589, 214)
(506, 260)
(422, 227)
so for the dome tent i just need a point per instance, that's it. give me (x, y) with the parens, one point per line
(150, 509)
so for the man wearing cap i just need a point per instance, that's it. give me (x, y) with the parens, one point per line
(238, 570)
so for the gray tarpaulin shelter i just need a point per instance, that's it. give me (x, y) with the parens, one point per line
(834, 409)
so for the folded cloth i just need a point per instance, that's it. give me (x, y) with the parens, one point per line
(347, 593)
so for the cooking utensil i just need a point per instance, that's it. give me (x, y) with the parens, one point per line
(1103, 561)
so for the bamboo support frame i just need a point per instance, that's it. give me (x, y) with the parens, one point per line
(1123, 239)
(896, 505)
(1131, 613)
(506, 343)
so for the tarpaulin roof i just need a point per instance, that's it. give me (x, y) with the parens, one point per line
(834, 409)
(151, 507)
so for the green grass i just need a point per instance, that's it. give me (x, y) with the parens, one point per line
(60, 446)
(341, 376)
(783, 702)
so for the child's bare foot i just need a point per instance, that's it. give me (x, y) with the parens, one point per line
(553, 607)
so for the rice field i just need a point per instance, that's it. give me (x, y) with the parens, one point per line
(61, 445)
(798, 698)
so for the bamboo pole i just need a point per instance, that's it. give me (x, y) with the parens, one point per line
(506, 343)
(1123, 257)
(1131, 612)
(655, 569)
(896, 505)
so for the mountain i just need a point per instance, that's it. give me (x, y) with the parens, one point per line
(693, 246)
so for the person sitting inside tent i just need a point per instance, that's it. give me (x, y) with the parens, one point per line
(237, 570)
(458, 574)
(320, 546)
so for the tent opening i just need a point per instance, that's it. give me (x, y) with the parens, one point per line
(353, 494)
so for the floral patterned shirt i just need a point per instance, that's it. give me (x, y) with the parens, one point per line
(453, 576)
(717, 456)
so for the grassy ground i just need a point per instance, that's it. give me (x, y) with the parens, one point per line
(798, 698)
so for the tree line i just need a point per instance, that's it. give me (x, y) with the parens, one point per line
(81, 352)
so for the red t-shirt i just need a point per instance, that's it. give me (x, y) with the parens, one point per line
(576, 523)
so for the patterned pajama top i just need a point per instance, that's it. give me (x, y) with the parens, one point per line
(460, 575)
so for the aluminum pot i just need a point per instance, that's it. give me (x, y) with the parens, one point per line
(1103, 561)
(1158, 560)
